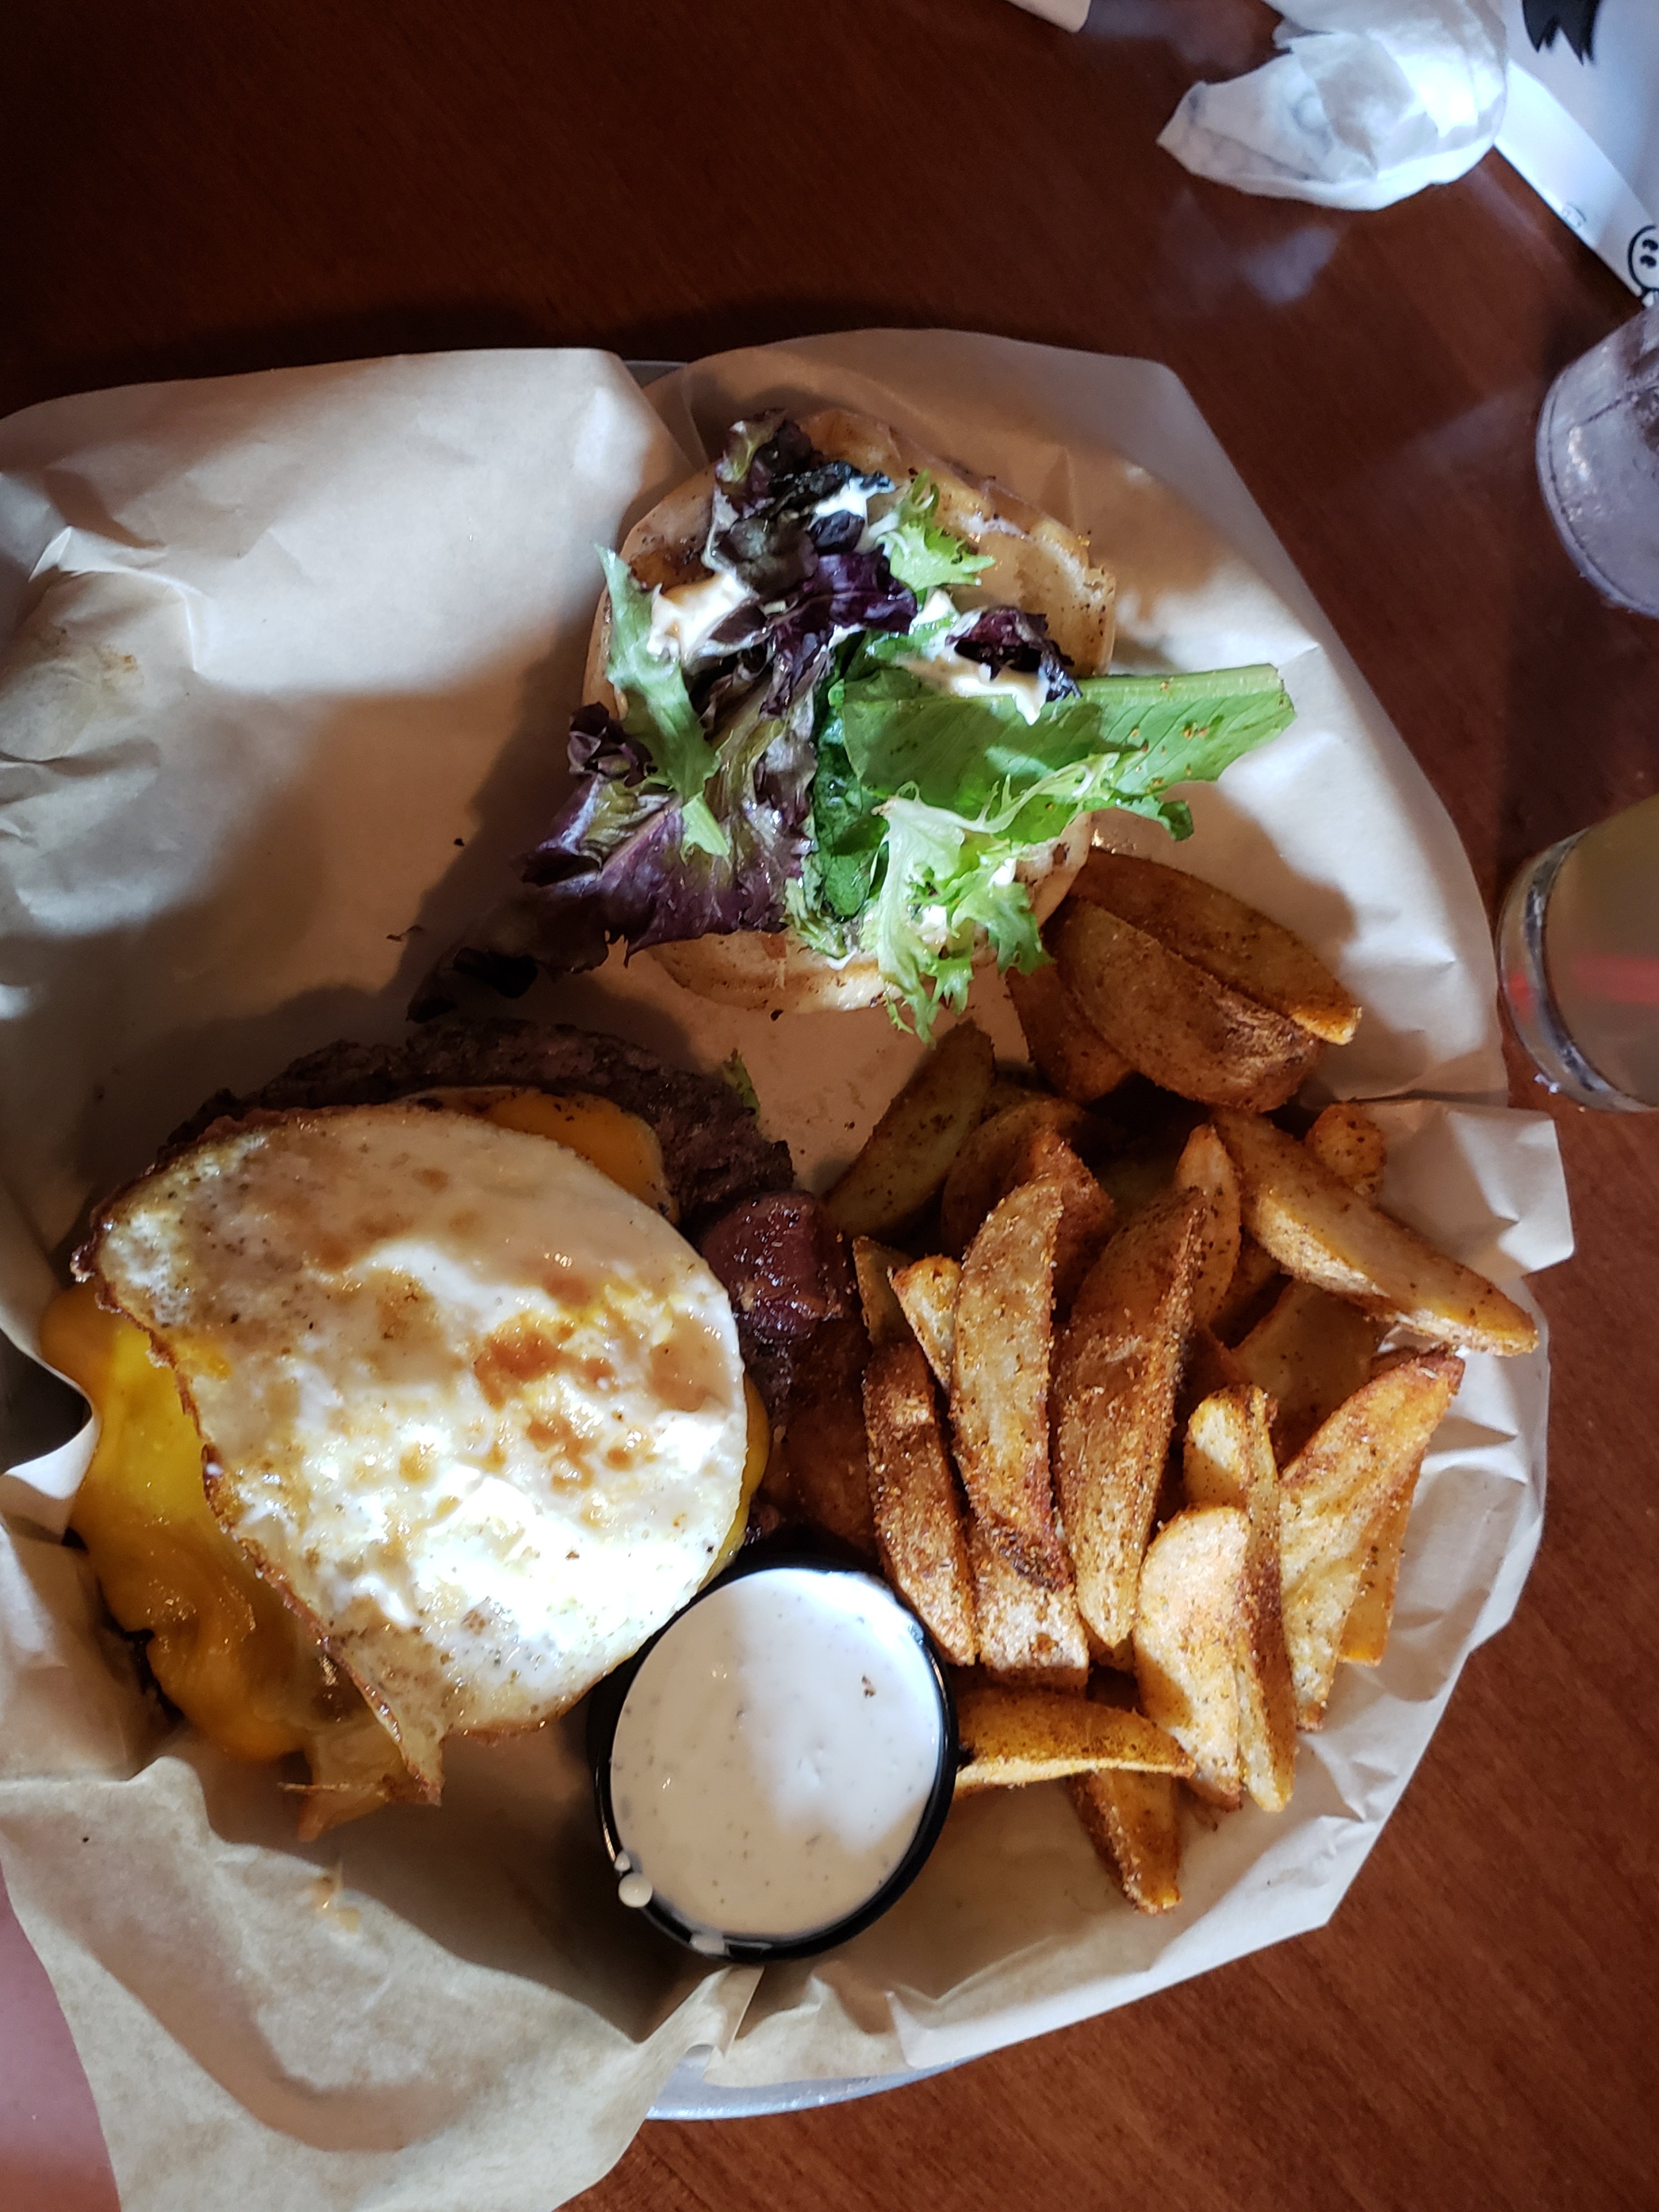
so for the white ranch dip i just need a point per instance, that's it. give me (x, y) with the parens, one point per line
(776, 1752)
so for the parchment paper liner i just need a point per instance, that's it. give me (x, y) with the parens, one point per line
(288, 662)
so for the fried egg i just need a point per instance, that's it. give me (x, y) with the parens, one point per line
(477, 1411)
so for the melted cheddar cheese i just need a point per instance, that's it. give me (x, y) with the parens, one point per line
(618, 1145)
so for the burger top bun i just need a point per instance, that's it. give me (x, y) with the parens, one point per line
(1036, 564)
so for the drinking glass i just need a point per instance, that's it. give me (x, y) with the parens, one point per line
(1578, 960)
(1598, 463)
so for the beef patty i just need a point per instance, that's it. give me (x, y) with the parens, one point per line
(713, 1153)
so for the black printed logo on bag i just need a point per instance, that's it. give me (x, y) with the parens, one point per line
(1574, 18)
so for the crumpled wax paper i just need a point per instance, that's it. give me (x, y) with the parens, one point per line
(288, 658)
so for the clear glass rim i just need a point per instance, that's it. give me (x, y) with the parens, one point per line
(1528, 999)
(1580, 554)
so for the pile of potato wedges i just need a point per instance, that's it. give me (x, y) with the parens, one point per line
(1150, 1371)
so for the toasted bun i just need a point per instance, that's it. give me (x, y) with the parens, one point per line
(1036, 564)
(775, 973)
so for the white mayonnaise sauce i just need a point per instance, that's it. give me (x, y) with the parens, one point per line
(937, 661)
(776, 1752)
(685, 618)
(952, 672)
(852, 498)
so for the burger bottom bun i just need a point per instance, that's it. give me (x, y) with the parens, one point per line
(773, 972)
(770, 971)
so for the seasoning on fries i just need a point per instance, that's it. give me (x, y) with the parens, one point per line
(1144, 1419)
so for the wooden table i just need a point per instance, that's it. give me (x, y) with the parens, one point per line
(214, 185)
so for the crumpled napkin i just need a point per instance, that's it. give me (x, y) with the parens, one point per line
(1370, 100)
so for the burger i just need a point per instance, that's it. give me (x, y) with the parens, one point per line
(433, 1377)
(848, 714)
(419, 1408)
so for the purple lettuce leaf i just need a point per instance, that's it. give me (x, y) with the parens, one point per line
(614, 863)
(766, 484)
(846, 590)
(1004, 637)
(807, 575)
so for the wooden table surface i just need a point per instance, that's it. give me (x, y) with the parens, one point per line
(210, 185)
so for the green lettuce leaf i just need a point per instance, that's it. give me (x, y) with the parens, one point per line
(875, 648)
(660, 710)
(944, 882)
(733, 1070)
(846, 832)
(973, 755)
(923, 804)
(921, 552)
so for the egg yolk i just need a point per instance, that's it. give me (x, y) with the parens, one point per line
(223, 1646)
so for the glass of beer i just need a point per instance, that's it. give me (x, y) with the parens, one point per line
(1578, 961)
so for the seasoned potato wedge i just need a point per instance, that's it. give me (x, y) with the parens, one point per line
(1027, 1633)
(1013, 1086)
(1076, 1059)
(883, 1316)
(1189, 1624)
(1310, 1351)
(1086, 1214)
(1335, 1499)
(1365, 1636)
(919, 1518)
(1175, 1022)
(926, 1292)
(1116, 1369)
(1205, 1166)
(1226, 1454)
(1133, 1821)
(1266, 1695)
(1257, 1281)
(1220, 934)
(1347, 1141)
(1014, 1736)
(1000, 1380)
(908, 1154)
(1227, 1460)
(1323, 1232)
(1309, 1354)
(995, 1156)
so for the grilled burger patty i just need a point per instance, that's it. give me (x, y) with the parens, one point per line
(784, 1265)
(713, 1150)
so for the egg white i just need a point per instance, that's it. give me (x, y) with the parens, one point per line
(478, 1412)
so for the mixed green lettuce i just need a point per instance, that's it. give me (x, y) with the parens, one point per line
(924, 803)
(921, 552)
(660, 715)
(800, 770)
